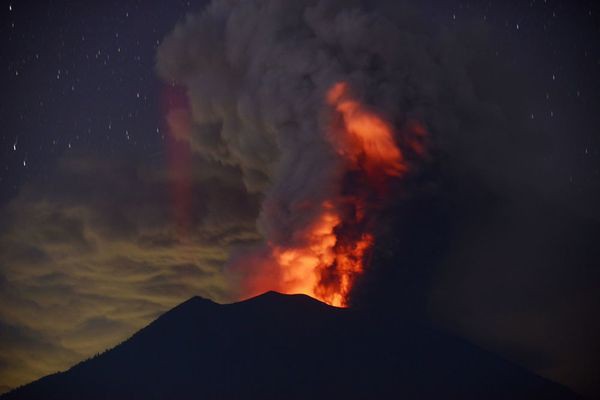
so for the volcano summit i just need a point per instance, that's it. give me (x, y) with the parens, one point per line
(278, 346)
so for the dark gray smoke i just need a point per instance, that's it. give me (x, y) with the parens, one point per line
(256, 74)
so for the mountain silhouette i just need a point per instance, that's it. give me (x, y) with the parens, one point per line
(278, 346)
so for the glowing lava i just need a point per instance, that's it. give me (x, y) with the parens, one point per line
(329, 252)
(364, 140)
(325, 267)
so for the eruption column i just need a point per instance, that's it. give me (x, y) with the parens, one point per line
(329, 252)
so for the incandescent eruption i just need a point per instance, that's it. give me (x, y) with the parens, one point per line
(315, 121)
(330, 250)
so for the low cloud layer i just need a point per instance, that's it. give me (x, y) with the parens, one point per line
(91, 253)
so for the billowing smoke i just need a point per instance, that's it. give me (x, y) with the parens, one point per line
(271, 85)
(268, 82)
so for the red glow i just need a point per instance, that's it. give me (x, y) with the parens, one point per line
(179, 156)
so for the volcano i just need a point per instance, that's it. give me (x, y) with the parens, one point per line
(277, 346)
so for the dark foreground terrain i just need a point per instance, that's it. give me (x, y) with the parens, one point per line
(289, 347)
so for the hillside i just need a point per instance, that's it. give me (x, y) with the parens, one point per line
(278, 346)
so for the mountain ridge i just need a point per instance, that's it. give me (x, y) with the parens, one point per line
(291, 346)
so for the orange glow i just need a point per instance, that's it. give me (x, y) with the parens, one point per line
(328, 254)
(323, 267)
(365, 140)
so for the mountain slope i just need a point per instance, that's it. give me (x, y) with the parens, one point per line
(289, 347)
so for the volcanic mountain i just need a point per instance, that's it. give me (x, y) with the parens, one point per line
(278, 346)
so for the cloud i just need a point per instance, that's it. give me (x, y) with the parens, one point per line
(25, 354)
(256, 73)
(90, 254)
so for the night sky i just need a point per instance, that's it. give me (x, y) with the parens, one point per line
(92, 243)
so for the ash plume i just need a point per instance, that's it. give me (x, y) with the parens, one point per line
(257, 74)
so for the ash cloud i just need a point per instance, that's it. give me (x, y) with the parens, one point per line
(256, 73)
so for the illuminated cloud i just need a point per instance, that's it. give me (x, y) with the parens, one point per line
(90, 254)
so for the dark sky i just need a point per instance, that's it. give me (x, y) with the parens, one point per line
(80, 77)
(91, 251)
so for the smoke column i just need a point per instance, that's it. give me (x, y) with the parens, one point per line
(327, 253)
(306, 100)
